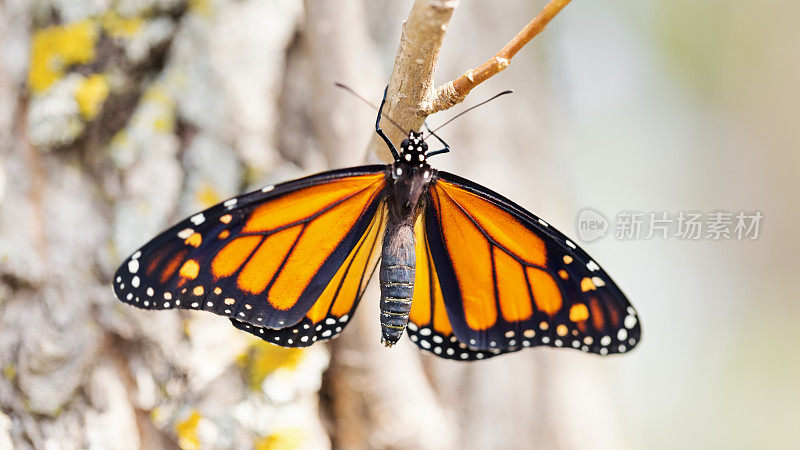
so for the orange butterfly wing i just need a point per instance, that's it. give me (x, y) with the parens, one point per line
(270, 258)
(337, 303)
(429, 325)
(508, 280)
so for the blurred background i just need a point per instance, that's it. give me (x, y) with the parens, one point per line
(117, 118)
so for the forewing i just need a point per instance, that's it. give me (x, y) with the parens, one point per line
(510, 280)
(263, 258)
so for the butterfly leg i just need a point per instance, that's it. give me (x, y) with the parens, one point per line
(441, 150)
(380, 131)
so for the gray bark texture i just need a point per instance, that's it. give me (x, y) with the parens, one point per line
(118, 118)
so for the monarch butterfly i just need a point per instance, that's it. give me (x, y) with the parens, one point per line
(466, 272)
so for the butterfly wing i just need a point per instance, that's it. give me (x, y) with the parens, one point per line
(337, 303)
(508, 280)
(266, 258)
(429, 326)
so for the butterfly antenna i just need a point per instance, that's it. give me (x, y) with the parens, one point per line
(470, 109)
(444, 149)
(371, 105)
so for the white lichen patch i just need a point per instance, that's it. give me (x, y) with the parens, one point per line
(212, 172)
(54, 117)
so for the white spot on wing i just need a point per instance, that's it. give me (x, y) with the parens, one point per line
(185, 233)
(230, 203)
(198, 218)
(133, 265)
(592, 266)
(571, 245)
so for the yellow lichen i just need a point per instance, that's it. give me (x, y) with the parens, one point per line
(207, 195)
(157, 93)
(120, 138)
(186, 431)
(121, 27)
(159, 416)
(162, 117)
(288, 438)
(164, 123)
(91, 93)
(262, 359)
(202, 8)
(10, 372)
(54, 49)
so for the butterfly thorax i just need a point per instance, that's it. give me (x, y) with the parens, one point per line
(410, 175)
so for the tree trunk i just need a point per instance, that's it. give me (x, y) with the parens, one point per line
(117, 121)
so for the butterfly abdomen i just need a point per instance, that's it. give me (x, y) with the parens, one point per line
(398, 261)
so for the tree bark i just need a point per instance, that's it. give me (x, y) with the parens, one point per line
(115, 121)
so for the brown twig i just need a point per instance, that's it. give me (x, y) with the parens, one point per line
(411, 82)
(454, 92)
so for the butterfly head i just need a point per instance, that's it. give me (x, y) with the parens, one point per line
(413, 148)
